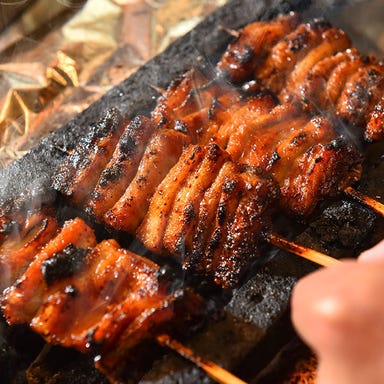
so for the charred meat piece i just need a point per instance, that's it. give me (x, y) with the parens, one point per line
(190, 93)
(152, 228)
(324, 83)
(362, 93)
(238, 133)
(21, 246)
(242, 119)
(333, 41)
(96, 304)
(21, 301)
(233, 217)
(282, 141)
(251, 221)
(203, 124)
(207, 216)
(80, 171)
(122, 167)
(321, 172)
(288, 52)
(174, 314)
(203, 180)
(98, 298)
(251, 46)
(182, 219)
(162, 152)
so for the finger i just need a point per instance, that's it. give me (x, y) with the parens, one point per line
(375, 254)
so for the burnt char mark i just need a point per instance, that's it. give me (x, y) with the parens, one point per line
(189, 213)
(127, 147)
(183, 220)
(297, 139)
(64, 179)
(63, 264)
(213, 107)
(251, 47)
(129, 141)
(298, 42)
(325, 168)
(121, 168)
(361, 94)
(221, 213)
(110, 175)
(245, 235)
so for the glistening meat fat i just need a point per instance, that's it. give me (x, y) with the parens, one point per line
(93, 296)
(259, 111)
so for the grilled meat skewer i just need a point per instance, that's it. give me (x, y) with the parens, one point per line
(122, 167)
(21, 245)
(21, 301)
(243, 54)
(97, 298)
(304, 154)
(315, 65)
(81, 170)
(162, 152)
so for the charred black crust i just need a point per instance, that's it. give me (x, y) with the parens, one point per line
(215, 240)
(298, 42)
(245, 55)
(79, 158)
(189, 213)
(221, 213)
(180, 126)
(63, 264)
(127, 145)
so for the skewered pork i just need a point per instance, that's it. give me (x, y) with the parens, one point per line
(161, 154)
(200, 178)
(163, 192)
(21, 301)
(243, 55)
(96, 298)
(22, 244)
(315, 64)
(122, 167)
(80, 171)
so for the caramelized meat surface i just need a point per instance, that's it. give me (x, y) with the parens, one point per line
(153, 226)
(288, 52)
(275, 103)
(206, 190)
(162, 152)
(95, 305)
(122, 167)
(21, 300)
(78, 175)
(253, 42)
(98, 298)
(21, 245)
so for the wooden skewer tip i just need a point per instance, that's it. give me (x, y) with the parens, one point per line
(366, 200)
(302, 251)
(231, 32)
(213, 370)
(159, 90)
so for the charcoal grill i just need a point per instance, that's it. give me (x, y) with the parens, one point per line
(247, 333)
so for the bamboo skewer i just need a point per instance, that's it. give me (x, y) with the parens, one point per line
(367, 201)
(213, 370)
(218, 373)
(302, 251)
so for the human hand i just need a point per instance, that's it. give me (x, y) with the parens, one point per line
(339, 313)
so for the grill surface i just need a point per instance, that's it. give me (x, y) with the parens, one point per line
(254, 324)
